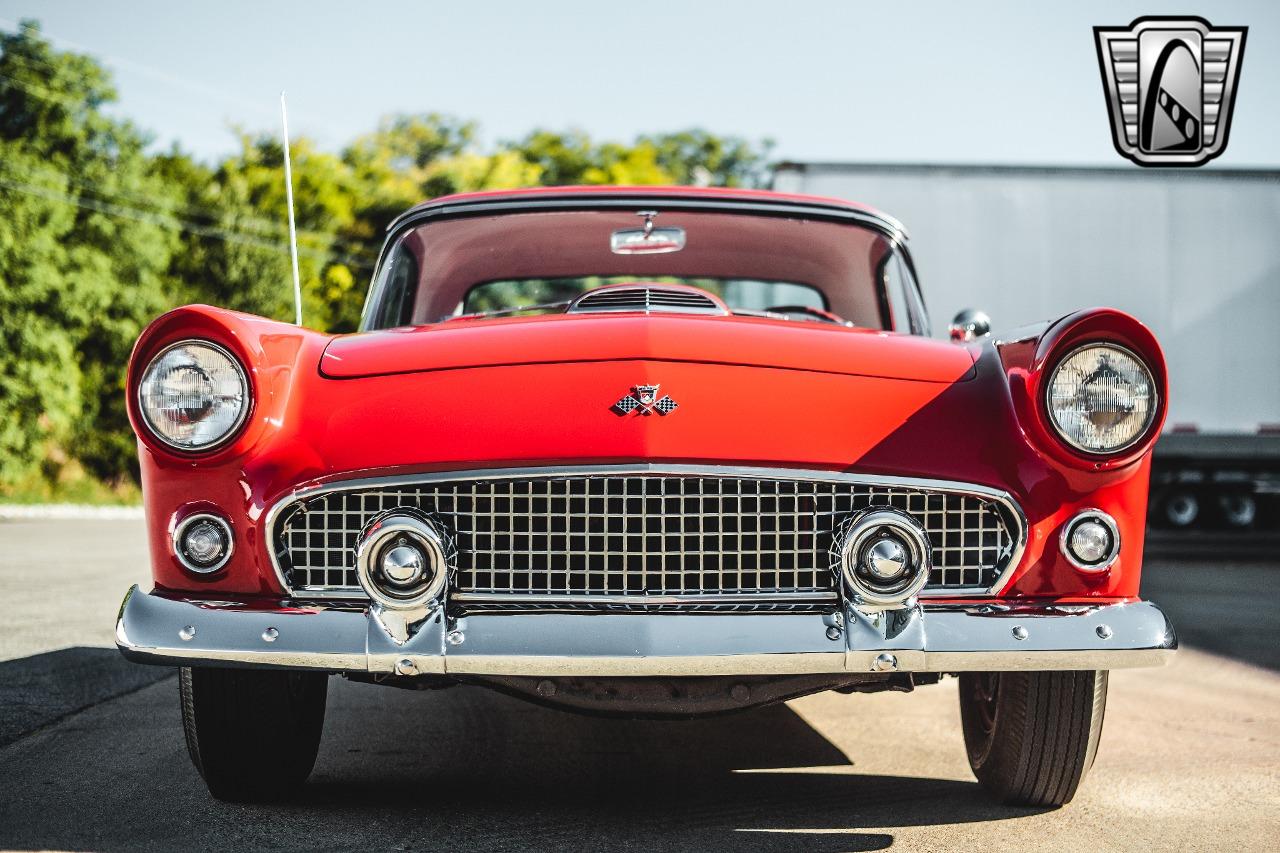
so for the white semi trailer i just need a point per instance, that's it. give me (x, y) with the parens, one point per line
(1193, 253)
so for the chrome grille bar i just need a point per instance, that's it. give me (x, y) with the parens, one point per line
(623, 535)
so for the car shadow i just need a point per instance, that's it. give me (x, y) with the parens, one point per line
(482, 766)
(469, 769)
(39, 690)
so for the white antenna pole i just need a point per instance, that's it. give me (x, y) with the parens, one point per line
(293, 235)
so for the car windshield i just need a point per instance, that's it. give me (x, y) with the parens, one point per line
(739, 294)
(513, 263)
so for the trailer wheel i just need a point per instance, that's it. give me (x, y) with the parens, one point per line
(1239, 509)
(1181, 509)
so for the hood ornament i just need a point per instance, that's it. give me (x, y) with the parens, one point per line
(644, 400)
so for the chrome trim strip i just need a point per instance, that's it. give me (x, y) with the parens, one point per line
(942, 638)
(535, 599)
(1015, 518)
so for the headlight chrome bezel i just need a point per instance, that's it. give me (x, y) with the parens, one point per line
(1153, 410)
(237, 426)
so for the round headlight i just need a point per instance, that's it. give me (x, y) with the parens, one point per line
(1101, 399)
(193, 395)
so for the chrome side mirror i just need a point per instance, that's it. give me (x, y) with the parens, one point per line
(969, 325)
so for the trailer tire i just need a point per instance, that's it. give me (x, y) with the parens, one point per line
(1239, 509)
(1181, 509)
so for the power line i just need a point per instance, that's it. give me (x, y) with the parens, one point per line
(147, 70)
(260, 108)
(263, 225)
(176, 224)
(338, 250)
(258, 224)
(43, 92)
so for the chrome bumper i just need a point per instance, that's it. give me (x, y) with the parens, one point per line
(932, 638)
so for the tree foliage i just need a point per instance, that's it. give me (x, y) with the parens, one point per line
(99, 234)
(84, 256)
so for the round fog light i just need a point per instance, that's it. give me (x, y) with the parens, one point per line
(403, 559)
(203, 543)
(884, 556)
(1091, 541)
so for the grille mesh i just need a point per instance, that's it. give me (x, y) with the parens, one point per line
(639, 534)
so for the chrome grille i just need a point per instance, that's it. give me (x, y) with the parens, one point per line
(641, 536)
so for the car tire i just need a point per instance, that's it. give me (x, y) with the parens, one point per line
(252, 734)
(1032, 736)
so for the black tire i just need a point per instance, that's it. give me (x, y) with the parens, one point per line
(1032, 736)
(1179, 510)
(252, 734)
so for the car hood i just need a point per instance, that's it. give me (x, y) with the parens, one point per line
(743, 341)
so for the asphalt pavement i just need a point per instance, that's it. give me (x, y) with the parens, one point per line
(1190, 754)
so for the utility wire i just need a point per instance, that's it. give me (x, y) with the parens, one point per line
(256, 224)
(175, 224)
(260, 108)
(263, 225)
(146, 70)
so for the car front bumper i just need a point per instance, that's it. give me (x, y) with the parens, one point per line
(932, 638)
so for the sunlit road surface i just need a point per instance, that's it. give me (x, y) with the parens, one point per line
(1190, 759)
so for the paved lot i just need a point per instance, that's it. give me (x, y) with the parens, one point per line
(59, 578)
(1189, 756)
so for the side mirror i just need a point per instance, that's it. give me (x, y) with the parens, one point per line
(969, 325)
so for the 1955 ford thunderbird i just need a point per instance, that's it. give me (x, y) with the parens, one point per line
(645, 451)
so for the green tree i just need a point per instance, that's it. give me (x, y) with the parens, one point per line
(98, 236)
(564, 159)
(238, 257)
(697, 157)
(84, 247)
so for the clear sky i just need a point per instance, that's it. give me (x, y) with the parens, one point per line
(986, 82)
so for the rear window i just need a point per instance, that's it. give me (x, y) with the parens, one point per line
(740, 294)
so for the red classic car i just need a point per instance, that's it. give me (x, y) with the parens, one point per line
(650, 451)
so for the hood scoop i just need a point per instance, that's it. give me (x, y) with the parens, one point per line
(652, 298)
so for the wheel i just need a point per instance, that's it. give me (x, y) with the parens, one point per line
(1239, 509)
(252, 734)
(1181, 509)
(1032, 736)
